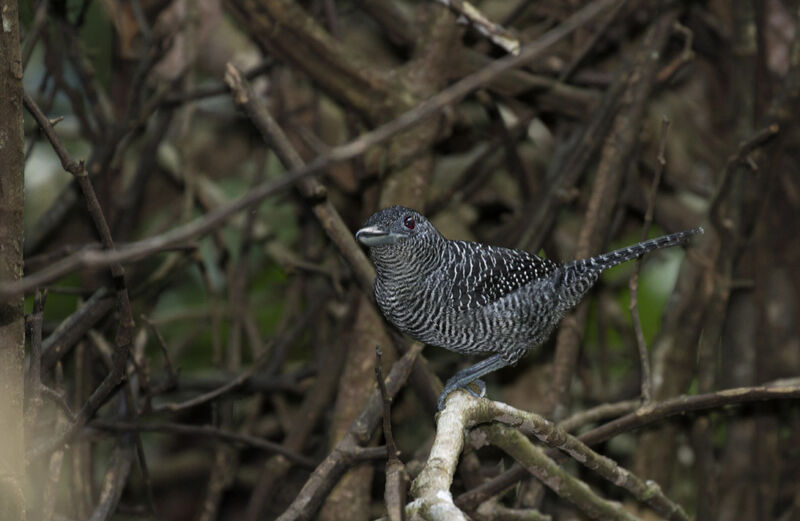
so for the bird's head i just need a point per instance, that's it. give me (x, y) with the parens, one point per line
(400, 240)
(394, 226)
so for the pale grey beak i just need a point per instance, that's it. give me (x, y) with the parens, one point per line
(374, 236)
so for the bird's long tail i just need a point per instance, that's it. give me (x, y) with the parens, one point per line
(575, 278)
(602, 262)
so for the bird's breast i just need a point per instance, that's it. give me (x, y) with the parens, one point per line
(396, 302)
(415, 307)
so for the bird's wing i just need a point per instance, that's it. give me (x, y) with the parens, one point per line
(490, 273)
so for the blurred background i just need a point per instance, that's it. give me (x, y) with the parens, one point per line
(652, 117)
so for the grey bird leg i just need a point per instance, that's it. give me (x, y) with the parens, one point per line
(463, 378)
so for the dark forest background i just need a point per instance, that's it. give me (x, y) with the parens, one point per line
(188, 330)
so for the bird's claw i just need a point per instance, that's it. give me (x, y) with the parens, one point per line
(481, 389)
(450, 387)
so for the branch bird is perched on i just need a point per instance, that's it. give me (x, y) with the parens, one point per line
(473, 298)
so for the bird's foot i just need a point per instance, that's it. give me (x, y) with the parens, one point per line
(453, 384)
(480, 384)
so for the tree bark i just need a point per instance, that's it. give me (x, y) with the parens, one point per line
(12, 318)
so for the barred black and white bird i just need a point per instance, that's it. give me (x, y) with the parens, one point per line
(473, 298)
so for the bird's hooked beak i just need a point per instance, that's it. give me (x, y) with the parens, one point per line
(374, 236)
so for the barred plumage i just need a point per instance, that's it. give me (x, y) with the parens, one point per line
(473, 298)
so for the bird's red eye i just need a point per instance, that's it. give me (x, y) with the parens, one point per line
(409, 222)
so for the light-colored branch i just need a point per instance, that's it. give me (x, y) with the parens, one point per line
(647, 415)
(554, 477)
(432, 486)
(498, 34)
(554, 436)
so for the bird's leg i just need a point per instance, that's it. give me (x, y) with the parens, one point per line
(463, 378)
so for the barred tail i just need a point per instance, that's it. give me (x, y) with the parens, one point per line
(575, 278)
(602, 262)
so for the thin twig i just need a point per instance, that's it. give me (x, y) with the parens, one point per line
(126, 323)
(601, 412)
(57, 397)
(172, 376)
(396, 476)
(633, 283)
(498, 34)
(686, 55)
(218, 90)
(756, 140)
(391, 448)
(204, 431)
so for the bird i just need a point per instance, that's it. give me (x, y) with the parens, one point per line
(475, 298)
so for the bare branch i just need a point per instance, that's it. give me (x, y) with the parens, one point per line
(396, 476)
(498, 34)
(207, 431)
